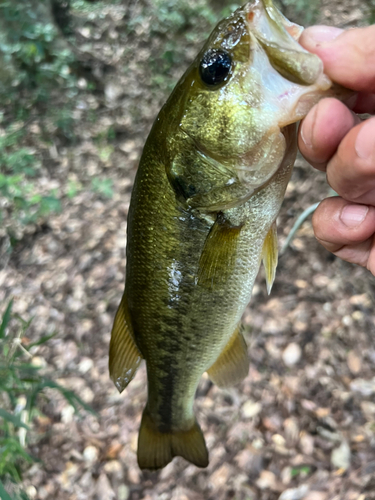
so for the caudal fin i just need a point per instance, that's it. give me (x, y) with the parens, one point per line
(156, 449)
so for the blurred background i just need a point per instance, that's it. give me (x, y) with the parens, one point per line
(80, 85)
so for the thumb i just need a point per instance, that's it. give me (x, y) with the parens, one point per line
(348, 56)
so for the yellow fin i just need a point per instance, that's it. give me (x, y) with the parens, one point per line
(124, 356)
(219, 253)
(156, 449)
(270, 256)
(232, 365)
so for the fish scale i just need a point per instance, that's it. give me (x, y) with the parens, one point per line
(209, 187)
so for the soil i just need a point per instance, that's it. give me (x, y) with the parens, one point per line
(300, 426)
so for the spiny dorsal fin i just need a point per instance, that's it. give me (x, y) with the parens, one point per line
(156, 449)
(232, 365)
(219, 253)
(270, 256)
(124, 356)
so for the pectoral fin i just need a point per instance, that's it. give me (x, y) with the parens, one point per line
(270, 256)
(232, 365)
(124, 356)
(219, 253)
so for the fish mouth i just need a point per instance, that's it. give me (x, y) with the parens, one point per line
(303, 81)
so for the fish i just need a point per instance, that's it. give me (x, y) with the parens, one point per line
(202, 218)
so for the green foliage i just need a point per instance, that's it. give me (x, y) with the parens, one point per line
(20, 384)
(174, 16)
(35, 73)
(303, 12)
(103, 186)
(302, 471)
(31, 45)
(18, 169)
(371, 19)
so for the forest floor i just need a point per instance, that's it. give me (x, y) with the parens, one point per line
(300, 426)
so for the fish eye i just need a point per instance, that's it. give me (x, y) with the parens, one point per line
(215, 66)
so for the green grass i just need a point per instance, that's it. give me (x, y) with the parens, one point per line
(20, 385)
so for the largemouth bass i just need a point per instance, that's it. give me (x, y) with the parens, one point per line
(209, 187)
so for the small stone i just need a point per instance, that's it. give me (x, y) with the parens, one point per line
(278, 439)
(316, 495)
(291, 431)
(38, 361)
(113, 467)
(368, 408)
(134, 475)
(267, 480)
(220, 477)
(354, 362)
(85, 365)
(31, 491)
(250, 409)
(292, 354)
(250, 461)
(340, 457)
(113, 91)
(104, 490)
(306, 444)
(364, 387)
(286, 475)
(113, 450)
(295, 493)
(90, 453)
(67, 414)
(123, 492)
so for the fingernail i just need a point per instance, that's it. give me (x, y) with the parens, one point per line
(319, 34)
(353, 215)
(307, 127)
(365, 142)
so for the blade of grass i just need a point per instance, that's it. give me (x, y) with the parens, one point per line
(3, 494)
(70, 396)
(42, 340)
(6, 318)
(9, 417)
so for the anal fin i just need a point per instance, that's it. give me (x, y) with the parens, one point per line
(270, 256)
(124, 356)
(232, 365)
(156, 449)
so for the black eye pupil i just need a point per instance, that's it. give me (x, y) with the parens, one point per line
(215, 66)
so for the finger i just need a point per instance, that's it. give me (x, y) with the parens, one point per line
(365, 103)
(347, 230)
(348, 56)
(322, 131)
(351, 170)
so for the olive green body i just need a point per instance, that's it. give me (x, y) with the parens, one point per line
(179, 325)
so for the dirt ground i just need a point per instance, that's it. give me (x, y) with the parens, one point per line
(300, 426)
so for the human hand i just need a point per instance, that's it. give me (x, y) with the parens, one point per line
(333, 139)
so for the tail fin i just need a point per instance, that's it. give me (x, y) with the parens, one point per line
(156, 449)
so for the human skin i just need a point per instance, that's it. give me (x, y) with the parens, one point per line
(334, 139)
